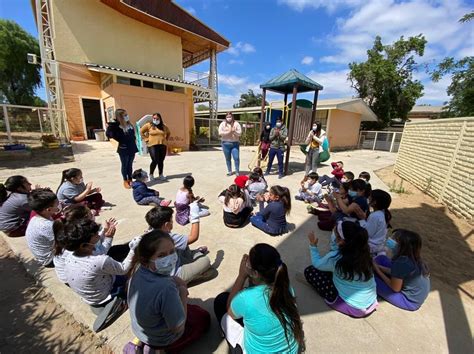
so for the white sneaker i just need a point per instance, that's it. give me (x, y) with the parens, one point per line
(162, 178)
(151, 177)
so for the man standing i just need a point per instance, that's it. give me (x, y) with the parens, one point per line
(277, 147)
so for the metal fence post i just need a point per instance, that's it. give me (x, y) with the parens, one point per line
(375, 140)
(210, 131)
(39, 120)
(7, 124)
(393, 141)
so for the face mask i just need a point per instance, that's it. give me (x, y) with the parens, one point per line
(156, 121)
(392, 245)
(315, 128)
(343, 179)
(352, 194)
(267, 127)
(278, 125)
(81, 180)
(228, 119)
(126, 118)
(166, 265)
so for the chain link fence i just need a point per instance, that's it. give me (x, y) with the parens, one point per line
(380, 140)
(206, 132)
(31, 126)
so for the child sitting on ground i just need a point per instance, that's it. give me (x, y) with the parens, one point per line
(192, 265)
(403, 281)
(14, 208)
(144, 195)
(236, 206)
(366, 177)
(256, 186)
(337, 172)
(39, 233)
(311, 189)
(272, 218)
(184, 197)
(72, 190)
(378, 221)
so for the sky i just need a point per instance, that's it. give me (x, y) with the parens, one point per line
(317, 37)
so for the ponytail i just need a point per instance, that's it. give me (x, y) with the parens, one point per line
(283, 194)
(266, 260)
(67, 175)
(12, 185)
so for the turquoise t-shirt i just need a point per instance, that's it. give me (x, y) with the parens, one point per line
(263, 332)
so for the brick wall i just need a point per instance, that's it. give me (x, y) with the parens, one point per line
(438, 157)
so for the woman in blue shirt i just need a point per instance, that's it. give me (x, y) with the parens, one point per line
(344, 276)
(262, 318)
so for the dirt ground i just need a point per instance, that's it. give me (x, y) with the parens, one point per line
(31, 321)
(448, 241)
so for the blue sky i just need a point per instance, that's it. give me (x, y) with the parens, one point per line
(317, 37)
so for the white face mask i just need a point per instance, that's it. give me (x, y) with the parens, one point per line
(156, 121)
(278, 125)
(228, 119)
(315, 127)
(165, 265)
(126, 118)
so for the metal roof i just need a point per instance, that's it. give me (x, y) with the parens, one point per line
(286, 81)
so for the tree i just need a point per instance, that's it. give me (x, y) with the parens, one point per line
(202, 107)
(250, 99)
(385, 81)
(461, 88)
(18, 79)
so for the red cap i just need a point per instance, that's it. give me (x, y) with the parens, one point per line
(241, 180)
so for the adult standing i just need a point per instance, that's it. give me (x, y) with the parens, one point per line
(315, 140)
(230, 131)
(156, 135)
(277, 146)
(122, 131)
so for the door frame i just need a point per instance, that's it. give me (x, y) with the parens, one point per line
(101, 103)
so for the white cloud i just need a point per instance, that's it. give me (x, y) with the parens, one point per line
(330, 5)
(236, 61)
(437, 20)
(191, 10)
(227, 100)
(335, 83)
(240, 47)
(232, 86)
(307, 60)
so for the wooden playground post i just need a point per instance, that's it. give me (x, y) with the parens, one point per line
(262, 114)
(315, 102)
(292, 127)
(285, 100)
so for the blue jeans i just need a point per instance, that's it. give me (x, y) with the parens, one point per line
(126, 159)
(259, 223)
(271, 156)
(231, 150)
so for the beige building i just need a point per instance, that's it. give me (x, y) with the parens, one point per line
(131, 54)
(340, 118)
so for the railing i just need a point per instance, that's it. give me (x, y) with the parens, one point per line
(27, 124)
(380, 140)
(197, 77)
(206, 132)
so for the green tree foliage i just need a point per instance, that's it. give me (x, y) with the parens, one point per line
(385, 80)
(202, 107)
(461, 88)
(250, 99)
(18, 79)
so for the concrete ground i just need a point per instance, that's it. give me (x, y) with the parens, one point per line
(434, 328)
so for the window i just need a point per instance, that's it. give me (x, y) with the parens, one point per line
(158, 86)
(135, 82)
(147, 84)
(123, 80)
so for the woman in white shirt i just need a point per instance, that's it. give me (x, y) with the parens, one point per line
(230, 131)
(315, 140)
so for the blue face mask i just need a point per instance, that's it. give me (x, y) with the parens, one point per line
(392, 245)
(352, 194)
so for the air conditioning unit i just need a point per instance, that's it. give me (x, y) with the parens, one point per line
(32, 59)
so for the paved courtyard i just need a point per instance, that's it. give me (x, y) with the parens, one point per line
(387, 330)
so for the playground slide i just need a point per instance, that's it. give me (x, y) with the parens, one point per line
(141, 144)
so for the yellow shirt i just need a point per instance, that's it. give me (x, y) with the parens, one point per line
(154, 136)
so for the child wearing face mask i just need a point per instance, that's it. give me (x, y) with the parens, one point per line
(39, 233)
(403, 281)
(73, 190)
(358, 204)
(144, 195)
(265, 141)
(161, 317)
(311, 189)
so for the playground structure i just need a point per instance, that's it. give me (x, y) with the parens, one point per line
(290, 82)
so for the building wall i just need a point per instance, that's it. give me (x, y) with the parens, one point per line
(343, 130)
(438, 157)
(88, 31)
(139, 101)
(77, 81)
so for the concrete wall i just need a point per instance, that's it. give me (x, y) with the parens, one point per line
(139, 101)
(343, 129)
(438, 157)
(88, 31)
(77, 82)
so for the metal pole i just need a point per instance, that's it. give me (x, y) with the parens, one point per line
(292, 127)
(315, 102)
(210, 131)
(262, 113)
(39, 120)
(393, 141)
(7, 124)
(375, 140)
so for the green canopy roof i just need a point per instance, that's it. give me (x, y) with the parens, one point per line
(285, 82)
